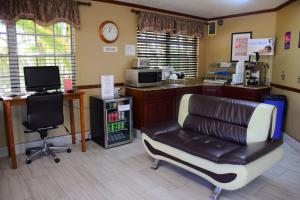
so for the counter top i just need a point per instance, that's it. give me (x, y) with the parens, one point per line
(175, 86)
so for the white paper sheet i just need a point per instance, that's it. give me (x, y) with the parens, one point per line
(129, 50)
(107, 86)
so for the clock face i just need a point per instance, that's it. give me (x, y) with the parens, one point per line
(109, 32)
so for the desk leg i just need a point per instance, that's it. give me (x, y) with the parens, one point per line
(72, 121)
(6, 131)
(10, 133)
(83, 143)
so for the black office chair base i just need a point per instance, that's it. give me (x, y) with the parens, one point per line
(45, 150)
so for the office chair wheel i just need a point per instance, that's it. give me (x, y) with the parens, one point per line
(57, 160)
(69, 150)
(28, 161)
(27, 152)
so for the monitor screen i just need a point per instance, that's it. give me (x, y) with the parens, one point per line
(42, 78)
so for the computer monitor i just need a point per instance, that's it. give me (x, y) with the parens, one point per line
(42, 78)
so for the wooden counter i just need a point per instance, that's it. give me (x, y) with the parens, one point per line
(158, 104)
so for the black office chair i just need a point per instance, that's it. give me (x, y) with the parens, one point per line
(44, 112)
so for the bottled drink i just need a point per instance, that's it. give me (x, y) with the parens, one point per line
(119, 126)
(123, 115)
(112, 127)
(117, 116)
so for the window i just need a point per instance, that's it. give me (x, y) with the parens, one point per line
(25, 43)
(163, 49)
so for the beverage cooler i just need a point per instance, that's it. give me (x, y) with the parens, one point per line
(111, 121)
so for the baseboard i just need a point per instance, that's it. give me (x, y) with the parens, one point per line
(291, 141)
(60, 140)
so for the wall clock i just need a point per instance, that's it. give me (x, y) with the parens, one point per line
(109, 31)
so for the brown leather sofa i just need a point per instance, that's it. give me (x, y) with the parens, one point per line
(227, 142)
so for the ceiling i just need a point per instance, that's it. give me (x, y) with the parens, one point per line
(210, 8)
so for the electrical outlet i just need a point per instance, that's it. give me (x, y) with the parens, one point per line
(283, 75)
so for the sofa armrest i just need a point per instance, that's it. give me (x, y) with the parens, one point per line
(160, 128)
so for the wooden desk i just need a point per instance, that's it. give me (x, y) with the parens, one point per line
(8, 102)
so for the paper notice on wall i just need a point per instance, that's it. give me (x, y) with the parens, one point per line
(107, 86)
(129, 50)
(264, 46)
(110, 49)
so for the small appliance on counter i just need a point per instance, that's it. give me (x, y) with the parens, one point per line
(255, 74)
(169, 73)
(141, 63)
(143, 77)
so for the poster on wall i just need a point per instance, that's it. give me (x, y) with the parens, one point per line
(264, 46)
(239, 46)
(287, 40)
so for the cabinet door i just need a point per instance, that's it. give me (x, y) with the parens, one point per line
(212, 90)
(154, 112)
(160, 106)
(245, 93)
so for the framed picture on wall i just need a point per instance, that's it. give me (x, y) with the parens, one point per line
(239, 46)
(212, 28)
(287, 40)
(299, 40)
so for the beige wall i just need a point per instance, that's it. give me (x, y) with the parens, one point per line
(267, 25)
(219, 46)
(91, 62)
(288, 19)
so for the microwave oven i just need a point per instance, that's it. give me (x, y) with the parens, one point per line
(143, 77)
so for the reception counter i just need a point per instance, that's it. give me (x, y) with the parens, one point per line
(158, 104)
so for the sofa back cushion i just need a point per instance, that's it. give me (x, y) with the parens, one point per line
(227, 119)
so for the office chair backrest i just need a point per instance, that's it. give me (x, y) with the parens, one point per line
(44, 111)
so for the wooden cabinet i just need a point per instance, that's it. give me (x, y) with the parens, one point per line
(245, 93)
(154, 106)
(160, 105)
(211, 90)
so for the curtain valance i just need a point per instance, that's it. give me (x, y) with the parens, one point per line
(159, 23)
(44, 12)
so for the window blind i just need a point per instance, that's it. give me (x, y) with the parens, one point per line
(29, 44)
(163, 49)
(4, 64)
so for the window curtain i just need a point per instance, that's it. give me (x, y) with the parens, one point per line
(44, 12)
(188, 27)
(155, 23)
(159, 23)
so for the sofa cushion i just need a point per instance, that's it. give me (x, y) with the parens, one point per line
(212, 148)
(220, 129)
(160, 128)
(227, 119)
(233, 111)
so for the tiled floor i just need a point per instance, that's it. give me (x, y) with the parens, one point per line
(123, 173)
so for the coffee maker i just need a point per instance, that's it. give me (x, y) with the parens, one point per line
(255, 72)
